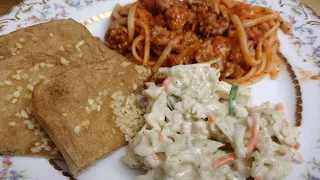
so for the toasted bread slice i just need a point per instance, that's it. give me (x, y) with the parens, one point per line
(73, 108)
(67, 44)
(65, 38)
(20, 133)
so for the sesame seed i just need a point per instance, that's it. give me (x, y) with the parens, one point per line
(12, 123)
(30, 87)
(121, 84)
(24, 113)
(13, 50)
(125, 64)
(37, 144)
(94, 106)
(16, 94)
(50, 65)
(42, 146)
(77, 129)
(18, 115)
(25, 76)
(35, 68)
(16, 76)
(88, 110)
(51, 34)
(1, 57)
(22, 40)
(47, 148)
(26, 122)
(29, 109)
(61, 48)
(68, 45)
(34, 150)
(85, 123)
(64, 61)
(7, 82)
(19, 45)
(34, 83)
(90, 101)
(42, 65)
(134, 86)
(19, 88)
(64, 114)
(98, 107)
(14, 101)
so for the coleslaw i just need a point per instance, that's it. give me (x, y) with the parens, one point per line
(198, 127)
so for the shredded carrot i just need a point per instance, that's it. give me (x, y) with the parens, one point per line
(223, 160)
(280, 107)
(296, 146)
(166, 84)
(211, 118)
(286, 122)
(160, 137)
(249, 147)
(254, 135)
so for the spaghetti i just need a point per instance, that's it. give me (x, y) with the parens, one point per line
(159, 33)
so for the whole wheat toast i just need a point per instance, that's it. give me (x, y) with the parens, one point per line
(65, 38)
(20, 133)
(63, 44)
(73, 108)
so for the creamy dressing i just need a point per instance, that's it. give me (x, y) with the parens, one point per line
(187, 123)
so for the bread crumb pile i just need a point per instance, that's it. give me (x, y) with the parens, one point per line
(127, 115)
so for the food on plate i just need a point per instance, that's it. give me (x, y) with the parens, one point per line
(198, 127)
(170, 32)
(73, 108)
(30, 56)
(66, 38)
(20, 133)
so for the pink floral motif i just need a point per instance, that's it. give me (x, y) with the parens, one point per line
(6, 171)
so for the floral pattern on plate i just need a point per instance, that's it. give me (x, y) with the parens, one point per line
(305, 37)
(7, 172)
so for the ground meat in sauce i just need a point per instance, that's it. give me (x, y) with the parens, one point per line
(163, 5)
(161, 36)
(117, 38)
(189, 38)
(236, 55)
(218, 47)
(211, 25)
(176, 17)
(202, 32)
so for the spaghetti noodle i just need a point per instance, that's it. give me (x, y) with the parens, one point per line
(170, 32)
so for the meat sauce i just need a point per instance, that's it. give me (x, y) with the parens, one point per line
(205, 35)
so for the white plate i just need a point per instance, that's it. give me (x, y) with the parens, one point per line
(301, 49)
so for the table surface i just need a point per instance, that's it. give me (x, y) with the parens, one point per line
(6, 4)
